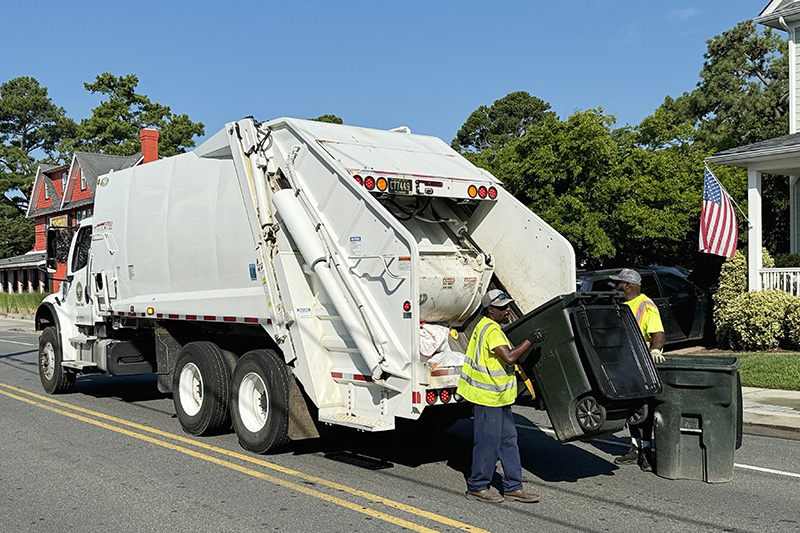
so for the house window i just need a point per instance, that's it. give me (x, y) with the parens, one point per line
(83, 182)
(63, 181)
(46, 192)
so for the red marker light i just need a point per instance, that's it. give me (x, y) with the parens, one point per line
(492, 193)
(430, 397)
(369, 182)
(444, 395)
(482, 191)
(359, 179)
(406, 306)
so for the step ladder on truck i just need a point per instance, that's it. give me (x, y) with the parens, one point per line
(276, 277)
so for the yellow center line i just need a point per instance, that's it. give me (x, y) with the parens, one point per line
(242, 457)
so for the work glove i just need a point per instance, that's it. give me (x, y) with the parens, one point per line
(657, 355)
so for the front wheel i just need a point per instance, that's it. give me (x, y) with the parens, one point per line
(55, 379)
(260, 401)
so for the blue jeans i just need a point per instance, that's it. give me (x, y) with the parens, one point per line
(495, 437)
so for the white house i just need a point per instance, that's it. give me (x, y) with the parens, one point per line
(779, 156)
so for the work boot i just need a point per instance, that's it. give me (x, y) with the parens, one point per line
(520, 495)
(486, 495)
(630, 458)
(646, 460)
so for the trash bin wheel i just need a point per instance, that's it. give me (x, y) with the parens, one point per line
(590, 414)
(639, 415)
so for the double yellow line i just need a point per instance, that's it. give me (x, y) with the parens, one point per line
(78, 413)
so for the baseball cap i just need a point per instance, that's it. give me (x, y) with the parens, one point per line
(495, 298)
(629, 275)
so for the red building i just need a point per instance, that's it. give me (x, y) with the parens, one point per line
(62, 196)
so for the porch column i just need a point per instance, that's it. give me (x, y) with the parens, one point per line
(754, 233)
(793, 214)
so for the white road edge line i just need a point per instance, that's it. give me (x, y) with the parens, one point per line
(15, 342)
(624, 444)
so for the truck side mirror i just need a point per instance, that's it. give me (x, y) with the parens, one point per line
(52, 250)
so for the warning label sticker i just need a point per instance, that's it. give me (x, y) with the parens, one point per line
(447, 283)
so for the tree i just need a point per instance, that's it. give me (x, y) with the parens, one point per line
(114, 125)
(29, 122)
(506, 119)
(741, 98)
(333, 119)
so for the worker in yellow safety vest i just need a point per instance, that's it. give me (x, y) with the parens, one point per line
(489, 383)
(649, 319)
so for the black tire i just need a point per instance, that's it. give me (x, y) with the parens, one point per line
(260, 401)
(639, 415)
(201, 385)
(55, 379)
(590, 414)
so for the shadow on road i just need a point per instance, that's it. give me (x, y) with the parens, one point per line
(128, 388)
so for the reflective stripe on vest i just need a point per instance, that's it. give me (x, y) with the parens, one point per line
(484, 391)
(642, 308)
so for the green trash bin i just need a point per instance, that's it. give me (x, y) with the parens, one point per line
(698, 424)
(588, 363)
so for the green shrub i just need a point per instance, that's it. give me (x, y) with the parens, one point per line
(754, 320)
(22, 304)
(791, 324)
(732, 284)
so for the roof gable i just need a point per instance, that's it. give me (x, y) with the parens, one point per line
(778, 12)
(90, 167)
(44, 182)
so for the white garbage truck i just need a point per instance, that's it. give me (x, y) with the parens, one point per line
(276, 278)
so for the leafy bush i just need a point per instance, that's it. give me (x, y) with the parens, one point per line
(754, 320)
(791, 324)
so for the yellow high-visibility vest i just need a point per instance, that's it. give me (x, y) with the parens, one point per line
(485, 378)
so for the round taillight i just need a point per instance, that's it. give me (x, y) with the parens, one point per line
(430, 397)
(472, 191)
(406, 306)
(381, 184)
(369, 182)
(492, 193)
(359, 179)
(444, 395)
(482, 191)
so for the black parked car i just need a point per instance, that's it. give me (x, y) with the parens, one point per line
(685, 308)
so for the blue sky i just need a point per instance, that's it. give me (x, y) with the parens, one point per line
(422, 64)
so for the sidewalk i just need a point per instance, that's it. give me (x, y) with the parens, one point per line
(768, 412)
(773, 413)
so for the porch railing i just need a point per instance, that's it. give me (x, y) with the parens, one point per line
(781, 279)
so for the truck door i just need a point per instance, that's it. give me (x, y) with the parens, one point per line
(78, 275)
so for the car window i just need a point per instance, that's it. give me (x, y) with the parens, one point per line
(675, 287)
(649, 286)
(604, 284)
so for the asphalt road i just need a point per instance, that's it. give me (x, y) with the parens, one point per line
(111, 457)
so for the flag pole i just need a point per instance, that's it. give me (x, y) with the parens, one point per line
(749, 225)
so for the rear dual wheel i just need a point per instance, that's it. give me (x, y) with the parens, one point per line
(260, 401)
(201, 388)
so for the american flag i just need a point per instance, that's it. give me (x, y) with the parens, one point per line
(718, 234)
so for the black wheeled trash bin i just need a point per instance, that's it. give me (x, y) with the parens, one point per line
(588, 362)
(698, 414)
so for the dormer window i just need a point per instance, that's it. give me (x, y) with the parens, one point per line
(83, 182)
(46, 192)
(64, 180)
